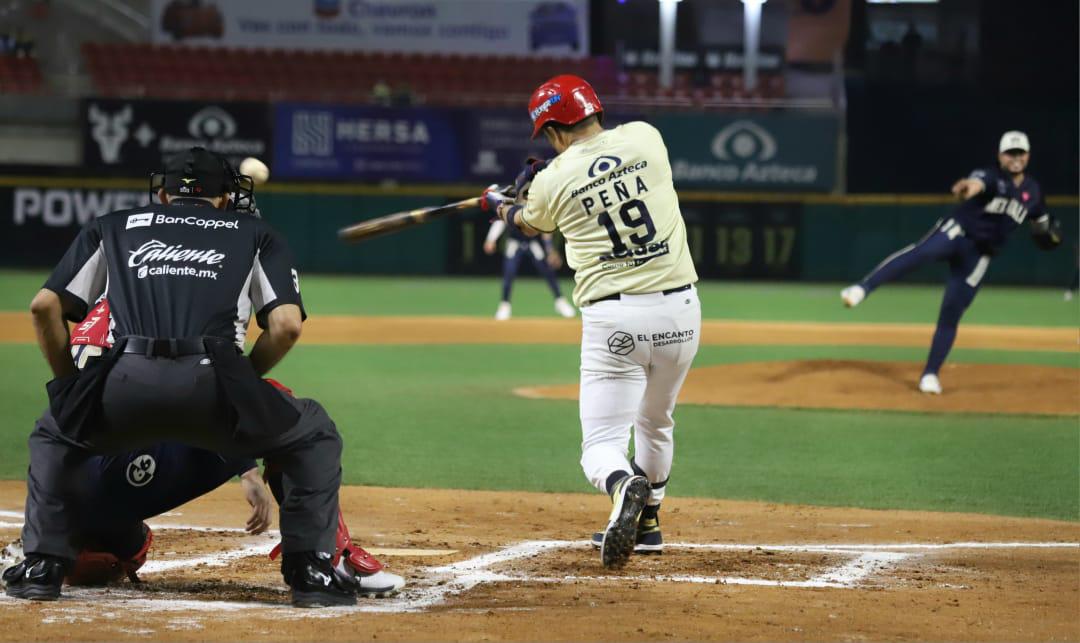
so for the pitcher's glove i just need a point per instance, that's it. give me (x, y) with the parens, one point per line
(1046, 232)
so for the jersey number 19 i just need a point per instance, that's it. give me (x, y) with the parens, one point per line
(627, 214)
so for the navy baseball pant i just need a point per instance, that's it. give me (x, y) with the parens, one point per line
(513, 259)
(967, 266)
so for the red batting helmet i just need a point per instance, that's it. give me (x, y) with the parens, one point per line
(565, 99)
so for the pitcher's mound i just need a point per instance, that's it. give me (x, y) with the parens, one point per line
(852, 384)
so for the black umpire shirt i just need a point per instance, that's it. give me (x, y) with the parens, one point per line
(183, 270)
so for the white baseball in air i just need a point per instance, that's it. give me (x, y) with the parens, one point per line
(256, 169)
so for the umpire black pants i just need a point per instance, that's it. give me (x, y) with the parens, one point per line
(149, 400)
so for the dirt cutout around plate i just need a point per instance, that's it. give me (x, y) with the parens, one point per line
(868, 385)
(746, 571)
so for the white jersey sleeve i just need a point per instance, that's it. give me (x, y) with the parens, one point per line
(537, 212)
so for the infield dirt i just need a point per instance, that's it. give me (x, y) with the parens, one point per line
(951, 593)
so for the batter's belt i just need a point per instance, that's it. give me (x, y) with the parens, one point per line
(618, 295)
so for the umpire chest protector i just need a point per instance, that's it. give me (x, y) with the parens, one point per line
(186, 274)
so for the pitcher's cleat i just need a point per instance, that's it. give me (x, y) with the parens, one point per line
(502, 313)
(852, 296)
(620, 536)
(930, 384)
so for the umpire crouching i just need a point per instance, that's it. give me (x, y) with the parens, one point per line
(182, 279)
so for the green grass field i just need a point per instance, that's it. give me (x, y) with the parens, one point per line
(444, 416)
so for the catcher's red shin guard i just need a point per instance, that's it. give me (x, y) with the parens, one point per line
(355, 557)
(102, 568)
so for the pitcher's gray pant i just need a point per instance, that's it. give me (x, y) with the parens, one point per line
(150, 400)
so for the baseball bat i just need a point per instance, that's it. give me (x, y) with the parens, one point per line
(401, 220)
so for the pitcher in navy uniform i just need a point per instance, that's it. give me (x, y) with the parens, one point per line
(182, 279)
(996, 201)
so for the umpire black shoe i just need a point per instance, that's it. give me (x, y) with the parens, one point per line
(37, 578)
(314, 581)
(620, 536)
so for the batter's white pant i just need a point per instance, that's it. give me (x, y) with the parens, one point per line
(635, 354)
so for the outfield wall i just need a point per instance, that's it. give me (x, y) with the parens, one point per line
(809, 237)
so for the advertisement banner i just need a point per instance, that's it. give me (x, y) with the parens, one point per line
(502, 27)
(752, 151)
(366, 143)
(134, 135)
(495, 143)
(37, 224)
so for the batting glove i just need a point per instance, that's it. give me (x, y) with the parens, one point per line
(492, 199)
(533, 167)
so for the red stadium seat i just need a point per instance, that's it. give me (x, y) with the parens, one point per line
(266, 74)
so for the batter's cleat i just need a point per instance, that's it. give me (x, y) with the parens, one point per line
(620, 535)
(502, 313)
(37, 578)
(1069, 295)
(564, 308)
(852, 296)
(648, 540)
(315, 582)
(930, 384)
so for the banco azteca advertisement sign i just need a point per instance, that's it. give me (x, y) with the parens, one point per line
(134, 135)
(752, 151)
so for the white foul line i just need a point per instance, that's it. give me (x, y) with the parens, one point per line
(443, 581)
(156, 566)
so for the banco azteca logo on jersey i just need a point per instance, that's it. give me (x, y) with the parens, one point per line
(603, 165)
(156, 258)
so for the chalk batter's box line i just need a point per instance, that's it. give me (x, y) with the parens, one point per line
(865, 560)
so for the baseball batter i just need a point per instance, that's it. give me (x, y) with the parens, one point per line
(610, 193)
(995, 201)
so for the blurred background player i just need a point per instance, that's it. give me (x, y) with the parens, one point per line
(995, 201)
(1074, 285)
(544, 257)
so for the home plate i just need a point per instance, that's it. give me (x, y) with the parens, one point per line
(377, 551)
